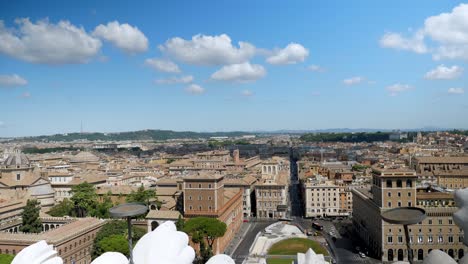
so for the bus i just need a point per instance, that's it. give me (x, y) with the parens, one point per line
(317, 226)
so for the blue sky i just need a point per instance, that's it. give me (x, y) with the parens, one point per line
(122, 66)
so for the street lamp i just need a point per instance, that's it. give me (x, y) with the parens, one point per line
(128, 210)
(405, 216)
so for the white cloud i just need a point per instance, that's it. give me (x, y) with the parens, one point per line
(444, 73)
(12, 80)
(448, 31)
(316, 68)
(48, 43)
(456, 91)
(247, 93)
(195, 89)
(291, 54)
(395, 89)
(243, 72)
(449, 27)
(124, 36)
(175, 80)
(208, 50)
(354, 80)
(25, 95)
(396, 41)
(162, 65)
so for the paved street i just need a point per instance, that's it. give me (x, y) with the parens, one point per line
(242, 250)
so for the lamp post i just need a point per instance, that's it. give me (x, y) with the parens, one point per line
(405, 216)
(128, 210)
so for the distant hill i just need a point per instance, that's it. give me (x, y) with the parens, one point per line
(135, 135)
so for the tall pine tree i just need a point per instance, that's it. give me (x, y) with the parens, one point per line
(31, 221)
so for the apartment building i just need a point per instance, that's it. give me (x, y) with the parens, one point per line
(394, 187)
(205, 195)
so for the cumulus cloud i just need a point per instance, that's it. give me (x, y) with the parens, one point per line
(448, 31)
(316, 68)
(208, 50)
(123, 36)
(397, 41)
(397, 88)
(162, 65)
(175, 80)
(12, 80)
(246, 93)
(354, 80)
(243, 72)
(444, 73)
(48, 43)
(195, 89)
(291, 54)
(456, 91)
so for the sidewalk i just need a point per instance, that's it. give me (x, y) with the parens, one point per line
(231, 248)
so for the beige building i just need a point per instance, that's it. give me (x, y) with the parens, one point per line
(321, 198)
(394, 187)
(72, 239)
(20, 180)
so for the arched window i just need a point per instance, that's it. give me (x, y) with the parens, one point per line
(420, 254)
(450, 253)
(400, 254)
(390, 255)
(154, 224)
(461, 253)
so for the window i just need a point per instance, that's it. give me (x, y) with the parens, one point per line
(440, 221)
(400, 239)
(209, 185)
(209, 198)
(389, 204)
(389, 183)
(390, 239)
(430, 239)
(399, 204)
(190, 198)
(450, 239)
(450, 222)
(399, 184)
(199, 198)
(389, 194)
(18, 177)
(190, 207)
(420, 239)
(399, 194)
(409, 203)
(430, 221)
(409, 183)
(440, 239)
(200, 207)
(190, 185)
(199, 185)
(409, 194)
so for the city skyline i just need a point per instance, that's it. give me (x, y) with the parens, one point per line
(231, 66)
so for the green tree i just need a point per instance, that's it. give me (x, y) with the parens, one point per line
(30, 216)
(141, 195)
(115, 227)
(102, 209)
(63, 208)
(180, 223)
(84, 199)
(203, 229)
(114, 243)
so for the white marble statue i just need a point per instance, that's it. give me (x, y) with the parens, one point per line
(38, 253)
(164, 245)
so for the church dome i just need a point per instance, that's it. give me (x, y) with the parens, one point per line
(16, 159)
